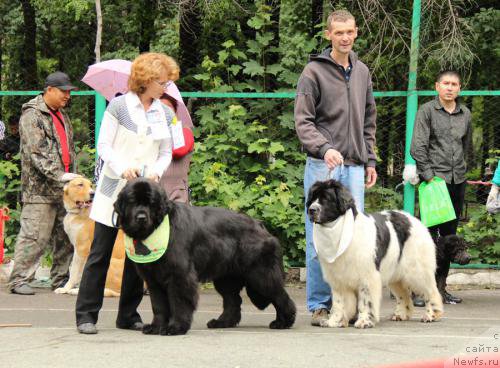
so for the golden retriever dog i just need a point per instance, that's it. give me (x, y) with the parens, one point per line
(78, 194)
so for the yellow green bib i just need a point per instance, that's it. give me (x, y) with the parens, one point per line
(151, 248)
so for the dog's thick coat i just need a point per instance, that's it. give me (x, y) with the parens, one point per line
(450, 248)
(205, 244)
(387, 248)
(77, 199)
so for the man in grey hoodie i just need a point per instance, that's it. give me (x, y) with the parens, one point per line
(335, 121)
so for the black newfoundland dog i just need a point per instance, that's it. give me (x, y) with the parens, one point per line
(450, 248)
(205, 244)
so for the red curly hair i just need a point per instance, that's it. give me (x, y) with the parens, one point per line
(150, 66)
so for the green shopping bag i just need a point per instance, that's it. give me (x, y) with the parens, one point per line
(435, 203)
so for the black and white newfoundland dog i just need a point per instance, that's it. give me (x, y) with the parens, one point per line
(205, 244)
(359, 253)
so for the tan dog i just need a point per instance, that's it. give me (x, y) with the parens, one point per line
(78, 194)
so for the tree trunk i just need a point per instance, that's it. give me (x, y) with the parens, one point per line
(316, 16)
(98, 36)
(147, 14)
(28, 57)
(189, 39)
(269, 58)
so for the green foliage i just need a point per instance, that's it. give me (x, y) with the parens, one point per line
(85, 160)
(481, 231)
(9, 179)
(378, 198)
(248, 156)
(494, 157)
(10, 185)
(241, 162)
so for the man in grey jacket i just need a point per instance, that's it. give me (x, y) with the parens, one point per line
(335, 117)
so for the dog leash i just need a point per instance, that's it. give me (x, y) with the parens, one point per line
(330, 171)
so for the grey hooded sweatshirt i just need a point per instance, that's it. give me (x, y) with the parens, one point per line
(333, 112)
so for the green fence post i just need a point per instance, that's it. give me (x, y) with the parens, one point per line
(412, 103)
(100, 107)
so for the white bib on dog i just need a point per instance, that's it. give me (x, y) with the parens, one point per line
(331, 240)
(151, 248)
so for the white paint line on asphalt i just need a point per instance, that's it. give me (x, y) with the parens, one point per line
(291, 332)
(248, 313)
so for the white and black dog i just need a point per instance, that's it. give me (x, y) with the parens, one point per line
(359, 253)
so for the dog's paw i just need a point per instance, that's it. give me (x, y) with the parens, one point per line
(333, 323)
(62, 290)
(73, 291)
(176, 329)
(150, 329)
(437, 314)
(217, 323)
(364, 323)
(398, 317)
(280, 325)
(428, 318)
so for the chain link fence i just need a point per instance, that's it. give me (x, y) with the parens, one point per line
(224, 126)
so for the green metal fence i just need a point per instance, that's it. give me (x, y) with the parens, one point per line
(87, 108)
(387, 123)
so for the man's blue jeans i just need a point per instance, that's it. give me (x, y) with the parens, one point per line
(318, 292)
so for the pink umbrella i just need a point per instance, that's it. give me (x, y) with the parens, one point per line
(111, 77)
(108, 77)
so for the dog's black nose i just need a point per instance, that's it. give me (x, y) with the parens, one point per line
(313, 210)
(141, 217)
(464, 259)
(92, 196)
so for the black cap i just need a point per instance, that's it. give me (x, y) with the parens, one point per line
(59, 80)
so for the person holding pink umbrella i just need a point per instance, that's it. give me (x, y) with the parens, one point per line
(134, 140)
(110, 79)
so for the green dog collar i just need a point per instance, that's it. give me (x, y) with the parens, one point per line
(151, 248)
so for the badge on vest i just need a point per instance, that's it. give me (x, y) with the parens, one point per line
(151, 248)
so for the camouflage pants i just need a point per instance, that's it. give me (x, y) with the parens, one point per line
(42, 228)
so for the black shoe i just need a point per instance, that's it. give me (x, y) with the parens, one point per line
(451, 299)
(418, 302)
(23, 289)
(136, 326)
(87, 328)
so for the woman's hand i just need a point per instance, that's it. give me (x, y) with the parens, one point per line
(154, 177)
(130, 173)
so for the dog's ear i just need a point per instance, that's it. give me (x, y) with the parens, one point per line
(119, 210)
(166, 205)
(312, 190)
(65, 188)
(343, 196)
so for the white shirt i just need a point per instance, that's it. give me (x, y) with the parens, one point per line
(109, 128)
(129, 137)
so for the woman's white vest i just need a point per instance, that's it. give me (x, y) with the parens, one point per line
(134, 143)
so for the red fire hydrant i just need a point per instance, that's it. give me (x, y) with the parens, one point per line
(4, 216)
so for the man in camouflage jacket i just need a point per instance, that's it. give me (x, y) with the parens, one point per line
(47, 159)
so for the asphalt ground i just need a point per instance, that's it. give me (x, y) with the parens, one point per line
(52, 339)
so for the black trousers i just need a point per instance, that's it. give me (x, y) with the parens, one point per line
(91, 292)
(457, 195)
